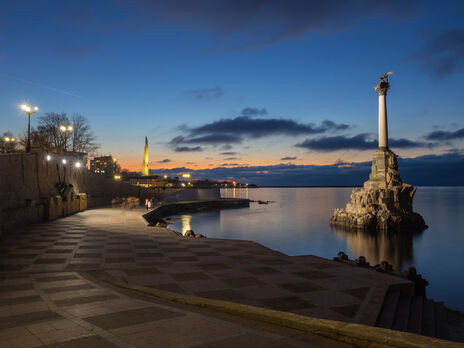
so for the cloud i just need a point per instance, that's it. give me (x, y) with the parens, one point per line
(235, 130)
(188, 149)
(251, 24)
(445, 135)
(445, 169)
(228, 153)
(166, 160)
(229, 164)
(231, 158)
(288, 158)
(259, 127)
(250, 111)
(211, 139)
(443, 54)
(358, 142)
(205, 93)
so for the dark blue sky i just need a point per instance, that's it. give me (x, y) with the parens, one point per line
(238, 83)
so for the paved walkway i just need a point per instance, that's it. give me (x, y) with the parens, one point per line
(46, 298)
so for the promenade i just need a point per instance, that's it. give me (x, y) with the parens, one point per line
(51, 291)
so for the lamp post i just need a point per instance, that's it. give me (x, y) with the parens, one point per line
(29, 110)
(6, 142)
(66, 130)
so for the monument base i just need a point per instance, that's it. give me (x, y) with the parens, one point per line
(384, 203)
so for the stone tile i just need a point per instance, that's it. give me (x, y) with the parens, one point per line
(286, 303)
(59, 251)
(245, 340)
(56, 278)
(19, 300)
(172, 287)
(225, 295)
(242, 282)
(86, 299)
(302, 287)
(184, 258)
(348, 310)
(359, 293)
(50, 260)
(131, 317)
(119, 259)
(314, 275)
(213, 267)
(182, 277)
(88, 341)
(142, 271)
(27, 319)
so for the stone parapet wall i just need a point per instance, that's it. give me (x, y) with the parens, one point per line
(28, 191)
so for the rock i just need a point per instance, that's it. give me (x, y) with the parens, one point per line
(361, 261)
(342, 256)
(384, 203)
(189, 233)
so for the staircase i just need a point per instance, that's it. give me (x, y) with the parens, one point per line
(418, 315)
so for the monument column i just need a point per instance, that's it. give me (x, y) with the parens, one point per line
(145, 171)
(382, 88)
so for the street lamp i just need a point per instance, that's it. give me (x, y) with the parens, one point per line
(6, 142)
(66, 129)
(29, 110)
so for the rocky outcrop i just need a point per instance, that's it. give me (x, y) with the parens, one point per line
(383, 203)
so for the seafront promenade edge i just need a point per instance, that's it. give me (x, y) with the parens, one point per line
(44, 268)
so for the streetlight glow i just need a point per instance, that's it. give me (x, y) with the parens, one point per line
(77, 164)
(49, 157)
(64, 161)
(7, 139)
(29, 111)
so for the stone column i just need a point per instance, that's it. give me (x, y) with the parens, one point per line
(382, 89)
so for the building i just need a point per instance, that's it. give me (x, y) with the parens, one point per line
(105, 165)
(153, 181)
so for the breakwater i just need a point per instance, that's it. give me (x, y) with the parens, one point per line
(155, 215)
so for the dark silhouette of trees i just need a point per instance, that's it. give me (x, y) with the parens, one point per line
(48, 134)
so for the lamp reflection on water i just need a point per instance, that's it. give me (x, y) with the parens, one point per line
(186, 223)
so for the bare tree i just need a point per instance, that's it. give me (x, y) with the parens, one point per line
(48, 133)
(83, 139)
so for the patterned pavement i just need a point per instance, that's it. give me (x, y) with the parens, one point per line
(44, 298)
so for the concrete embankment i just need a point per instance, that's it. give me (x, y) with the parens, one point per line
(174, 208)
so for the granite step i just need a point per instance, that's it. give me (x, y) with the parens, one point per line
(401, 319)
(415, 315)
(388, 311)
(428, 318)
(441, 327)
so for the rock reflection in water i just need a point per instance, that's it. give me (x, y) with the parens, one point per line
(396, 248)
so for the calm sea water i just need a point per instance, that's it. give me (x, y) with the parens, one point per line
(297, 223)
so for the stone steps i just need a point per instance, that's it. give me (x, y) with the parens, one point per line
(414, 314)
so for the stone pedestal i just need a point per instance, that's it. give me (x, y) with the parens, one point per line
(383, 203)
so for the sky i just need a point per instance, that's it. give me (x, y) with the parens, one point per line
(272, 92)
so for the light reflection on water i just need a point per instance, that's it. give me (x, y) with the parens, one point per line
(297, 224)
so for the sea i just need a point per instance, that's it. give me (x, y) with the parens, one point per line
(296, 222)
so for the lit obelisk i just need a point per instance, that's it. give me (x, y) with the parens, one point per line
(145, 159)
(382, 88)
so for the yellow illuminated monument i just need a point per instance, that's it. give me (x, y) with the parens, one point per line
(145, 159)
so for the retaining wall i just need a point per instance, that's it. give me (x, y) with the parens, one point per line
(28, 190)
